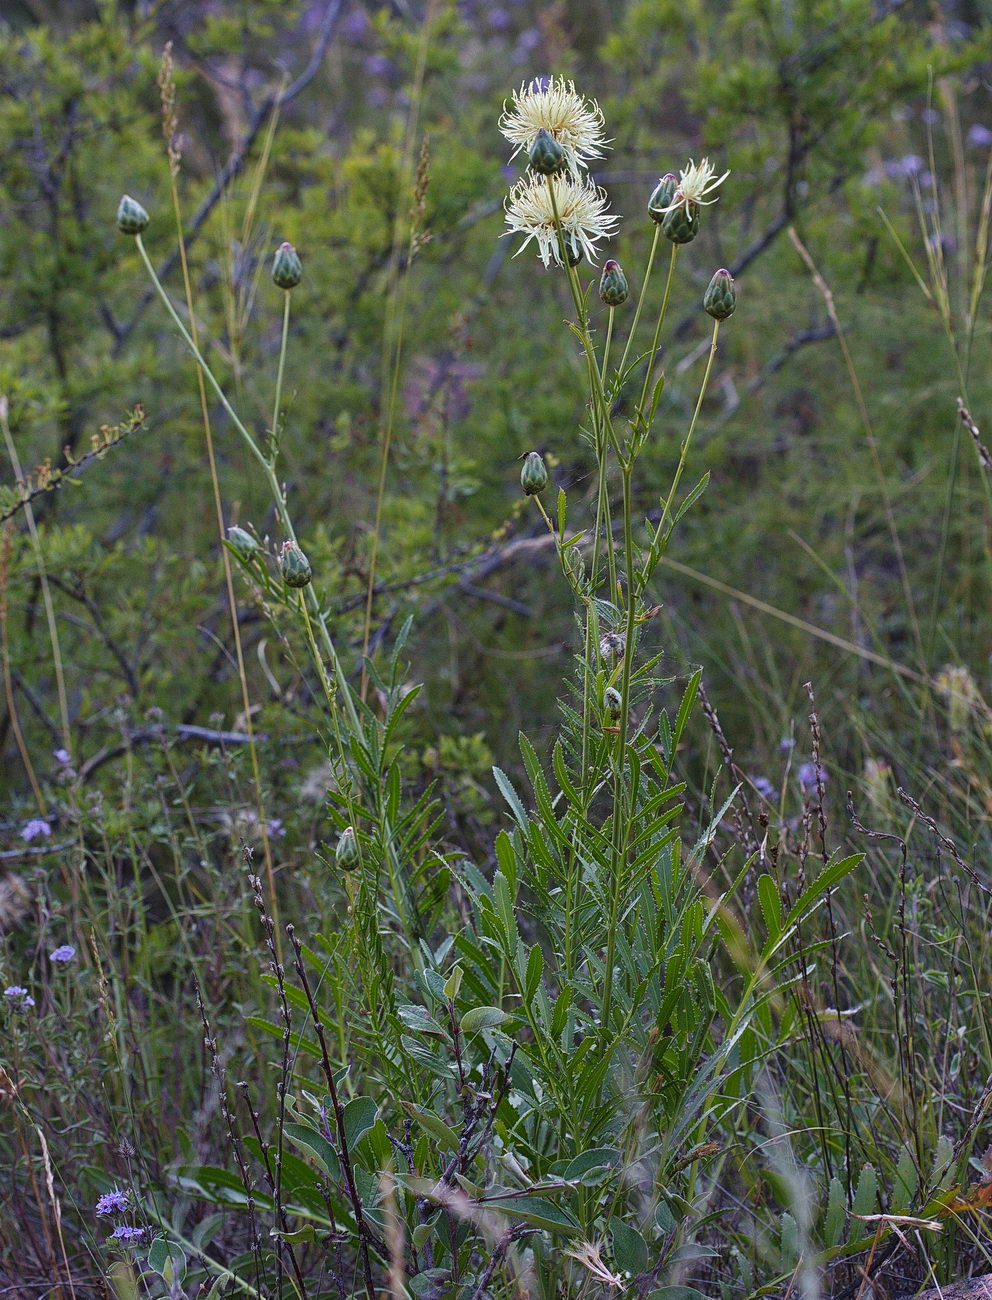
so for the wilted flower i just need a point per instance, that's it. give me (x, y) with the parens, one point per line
(590, 1255)
(554, 105)
(694, 184)
(35, 829)
(63, 954)
(581, 210)
(115, 1202)
(612, 646)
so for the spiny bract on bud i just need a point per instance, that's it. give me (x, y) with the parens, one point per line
(287, 271)
(242, 544)
(546, 155)
(294, 566)
(534, 475)
(662, 197)
(348, 855)
(679, 226)
(720, 298)
(613, 284)
(612, 701)
(132, 218)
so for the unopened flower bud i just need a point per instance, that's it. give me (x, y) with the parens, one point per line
(242, 544)
(612, 701)
(679, 226)
(131, 216)
(287, 271)
(613, 284)
(348, 855)
(662, 197)
(546, 154)
(720, 298)
(534, 475)
(294, 566)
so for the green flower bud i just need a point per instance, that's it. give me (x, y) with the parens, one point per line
(613, 284)
(132, 218)
(612, 701)
(720, 298)
(294, 566)
(534, 475)
(287, 271)
(242, 544)
(348, 855)
(573, 250)
(679, 226)
(662, 197)
(546, 154)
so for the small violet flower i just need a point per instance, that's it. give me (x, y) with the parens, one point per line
(63, 954)
(35, 828)
(18, 996)
(126, 1233)
(63, 757)
(115, 1202)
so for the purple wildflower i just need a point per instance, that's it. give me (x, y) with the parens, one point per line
(18, 996)
(126, 1233)
(765, 788)
(979, 137)
(115, 1202)
(37, 826)
(64, 953)
(276, 829)
(63, 757)
(808, 775)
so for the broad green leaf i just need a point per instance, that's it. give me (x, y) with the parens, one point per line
(359, 1116)
(536, 1211)
(630, 1251)
(448, 1137)
(482, 1018)
(317, 1145)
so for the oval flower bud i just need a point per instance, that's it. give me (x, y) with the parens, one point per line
(661, 199)
(613, 284)
(546, 154)
(679, 226)
(720, 298)
(132, 218)
(612, 701)
(287, 270)
(348, 855)
(534, 475)
(242, 544)
(294, 566)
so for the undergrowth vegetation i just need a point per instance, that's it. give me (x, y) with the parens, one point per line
(496, 751)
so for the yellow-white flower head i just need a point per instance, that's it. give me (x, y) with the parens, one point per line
(553, 105)
(695, 182)
(581, 209)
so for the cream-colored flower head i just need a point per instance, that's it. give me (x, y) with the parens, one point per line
(581, 210)
(553, 105)
(694, 184)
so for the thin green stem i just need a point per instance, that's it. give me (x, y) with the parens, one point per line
(641, 421)
(641, 298)
(277, 405)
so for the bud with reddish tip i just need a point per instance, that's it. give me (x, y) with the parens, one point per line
(720, 298)
(534, 475)
(132, 218)
(662, 197)
(546, 154)
(287, 271)
(294, 566)
(613, 288)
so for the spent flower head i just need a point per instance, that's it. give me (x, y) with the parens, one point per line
(553, 104)
(581, 208)
(695, 182)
